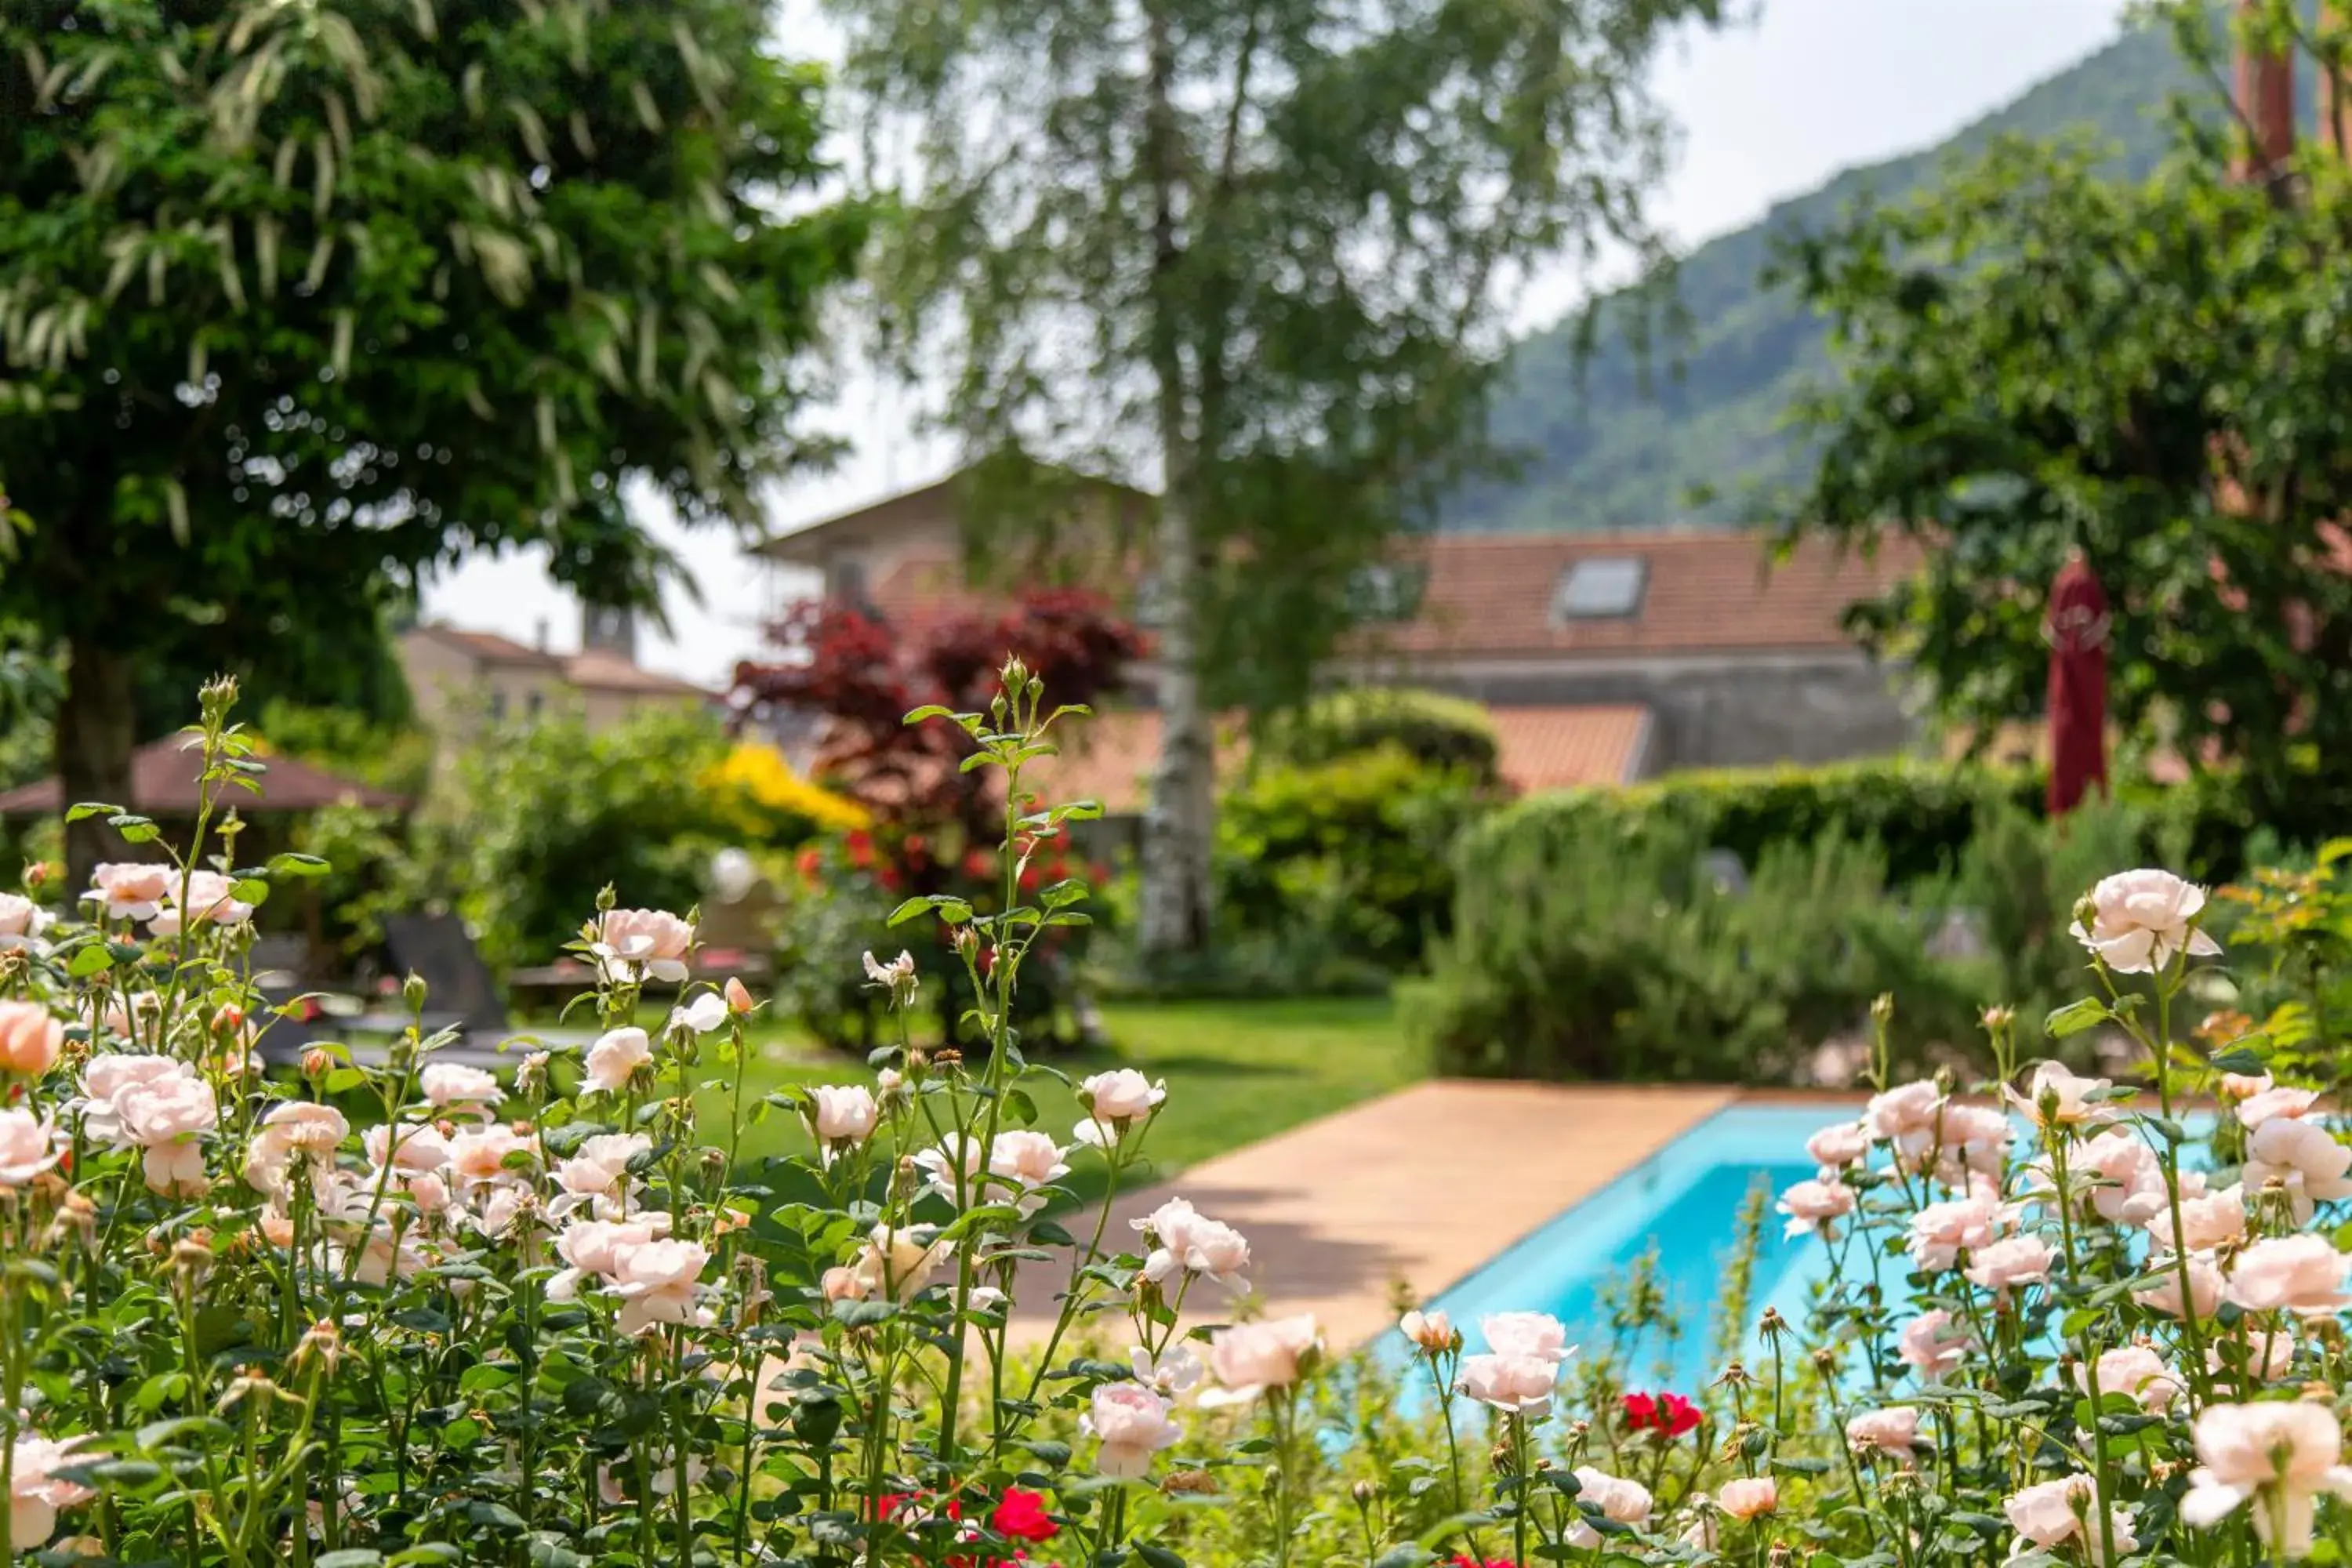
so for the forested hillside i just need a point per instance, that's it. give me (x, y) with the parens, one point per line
(1601, 451)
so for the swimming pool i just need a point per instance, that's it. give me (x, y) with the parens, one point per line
(1685, 1200)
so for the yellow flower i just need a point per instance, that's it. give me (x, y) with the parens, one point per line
(756, 786)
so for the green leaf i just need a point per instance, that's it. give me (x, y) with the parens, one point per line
(2074, 1017)
(292, 864)
(92, 960)
(349, 1557)
(88, 809)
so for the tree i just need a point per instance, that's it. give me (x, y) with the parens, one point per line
(2037, 359)
(865, 680)
(300, 301)
(1257, 252)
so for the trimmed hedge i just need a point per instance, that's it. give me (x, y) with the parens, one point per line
(1437, 731)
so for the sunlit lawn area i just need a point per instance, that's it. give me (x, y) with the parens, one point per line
(1236, 1071)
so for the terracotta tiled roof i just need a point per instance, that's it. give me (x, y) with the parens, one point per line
(1491, 594)
(597, 670)
(1703, 591)
(489, 648)
(1111, 756)
(164, 784)
(1556, 748)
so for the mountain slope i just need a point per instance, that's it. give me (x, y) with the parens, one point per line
(1601, 449)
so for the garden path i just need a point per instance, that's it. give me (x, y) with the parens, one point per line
(1419, 1186)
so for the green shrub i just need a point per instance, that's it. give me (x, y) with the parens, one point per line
(1356, 851)
(1614, 954)
(1441, 732)
(547, 813)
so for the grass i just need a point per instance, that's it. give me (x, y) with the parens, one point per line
(1237, 1073)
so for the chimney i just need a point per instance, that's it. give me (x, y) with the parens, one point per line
(2265, 99)
(539, 641)
(606, 629)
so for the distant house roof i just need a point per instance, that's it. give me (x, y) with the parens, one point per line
(1111, 756)
(163, 783)
(593, 669)
(1630, 593)
(600, 671)
(1560, 748)
(1635, 593)
(489, 648)
(805, 546)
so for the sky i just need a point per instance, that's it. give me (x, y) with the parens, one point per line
(1767, 108)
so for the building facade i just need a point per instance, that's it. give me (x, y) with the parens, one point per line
(1602, 658)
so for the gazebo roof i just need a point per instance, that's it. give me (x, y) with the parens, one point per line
(163, 775)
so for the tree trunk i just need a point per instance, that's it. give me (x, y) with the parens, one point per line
(96, 734)
(1178, 828)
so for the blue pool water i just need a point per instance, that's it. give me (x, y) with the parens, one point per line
(1684, 1201)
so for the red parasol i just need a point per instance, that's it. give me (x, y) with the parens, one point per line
(2077, 632)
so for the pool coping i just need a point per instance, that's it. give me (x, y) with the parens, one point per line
(1425, 1185)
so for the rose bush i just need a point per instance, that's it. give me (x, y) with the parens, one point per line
(402, 1308)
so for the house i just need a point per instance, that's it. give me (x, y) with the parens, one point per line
(454, 675)
(1602, 658)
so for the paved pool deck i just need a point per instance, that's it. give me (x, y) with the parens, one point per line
(1419, 1186)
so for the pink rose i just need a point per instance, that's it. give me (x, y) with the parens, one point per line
(2018, 1260)
(2052, 1513)
(1836, 1148)
(1186, 1241)
(841, 1116)
(1751, 1497)
(1894, 1430)
(2126, 1185)
(30, 1039)
(2060, 1095)
(35, 1492)
(2207, 1221)
(422, 1148)
(1116, 1100)
(1519, 1383)
(658, 1282)
(165, 1119)
(2142, 920)
(615, 1057)
(454, 1087)
(1536, 1334)
(1933, 1343)
(2267, 1103)
(1906, 1108)
(1940, 1232)
(129, 891)
(2282, 1454)
(1249, 1358)
(22, 921)
(28, 1146)
(2301, 1157)
(210, 894)
(2205, 1287)
(642, 944)
(2135, 1370)
(1132, 1424)
(1626, 1503)
(900, 1263)
(2290, 1273)
(1432, 1331)
(1816, 1206)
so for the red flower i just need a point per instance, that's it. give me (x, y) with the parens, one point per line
(1028, 879)
(916, 848)
(812, 861)
(1022, 1516)
(1098, 873)
(1464, 1560)
(977, 865)
(859, 845)
(889, 879)
(1667, 1415)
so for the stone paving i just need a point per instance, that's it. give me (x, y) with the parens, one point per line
(1422, 1187)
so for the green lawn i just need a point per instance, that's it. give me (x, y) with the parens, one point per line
(1236, 1071)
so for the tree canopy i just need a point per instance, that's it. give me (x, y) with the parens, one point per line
(298, 301)
(1258, 255)
(2038, 359)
